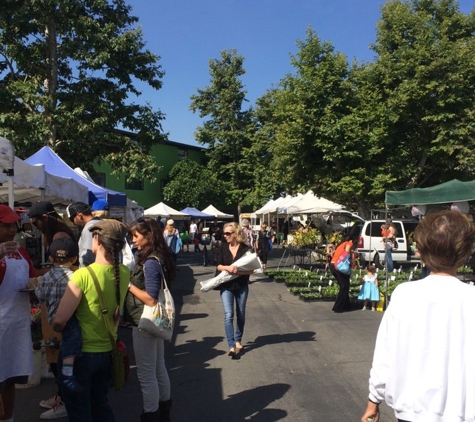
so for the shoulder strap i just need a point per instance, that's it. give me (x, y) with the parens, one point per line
(164, 285)
(104, 310)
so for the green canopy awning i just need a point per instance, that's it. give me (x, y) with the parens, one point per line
(452, 191)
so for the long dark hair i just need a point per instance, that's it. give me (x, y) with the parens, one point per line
(150, 229)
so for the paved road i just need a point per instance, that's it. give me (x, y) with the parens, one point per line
(301, 362)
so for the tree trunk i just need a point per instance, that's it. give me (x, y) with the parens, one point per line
(51, 82)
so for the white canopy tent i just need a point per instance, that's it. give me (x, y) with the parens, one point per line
(288, 203)
(311, 204)
(163, 210)
(270, 205)
(217, 213)
(32, 183)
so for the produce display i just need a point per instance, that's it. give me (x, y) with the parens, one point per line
(320, 284)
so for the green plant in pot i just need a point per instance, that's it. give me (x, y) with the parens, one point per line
(306, 238)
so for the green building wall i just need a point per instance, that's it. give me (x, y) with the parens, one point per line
(147, 193)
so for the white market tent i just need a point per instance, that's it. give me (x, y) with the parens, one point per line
(267, 206)
(217, 213)
(311, 204)
(32, 183)
(288, 203)
(163, 210)
(54, 164)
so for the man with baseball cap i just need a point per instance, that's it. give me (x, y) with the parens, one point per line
(45, 218)
(100, 208)
(85, 217)
(81, 216)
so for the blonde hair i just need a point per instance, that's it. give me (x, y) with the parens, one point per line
(101, 214)
(240, 236)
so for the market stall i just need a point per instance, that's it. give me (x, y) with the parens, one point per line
(55, 165)
(451, 191)
(163, 210)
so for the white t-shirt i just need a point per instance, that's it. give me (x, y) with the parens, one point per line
(193, 228)
(423, 364)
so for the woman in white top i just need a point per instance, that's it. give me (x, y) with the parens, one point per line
(423, 364)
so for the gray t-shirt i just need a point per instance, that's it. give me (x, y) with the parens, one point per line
(86, 257)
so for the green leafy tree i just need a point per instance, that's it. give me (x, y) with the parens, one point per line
(193, 185)
(68, 74)
(265, 183)
(422, 82)
(228, 130)
(311, 118)
(350, 133)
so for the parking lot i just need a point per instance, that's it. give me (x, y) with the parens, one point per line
(301, 361)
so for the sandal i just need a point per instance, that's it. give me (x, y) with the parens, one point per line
(232, 351)
(239, 347)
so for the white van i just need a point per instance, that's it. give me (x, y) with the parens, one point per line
(371, 248)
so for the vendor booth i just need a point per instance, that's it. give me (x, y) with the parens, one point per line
(451, 191)
(163, 210)
(217, 213)
(34, 183)
(55, 165)
(196, 214)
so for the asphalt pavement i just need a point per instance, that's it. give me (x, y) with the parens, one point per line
(301, 361)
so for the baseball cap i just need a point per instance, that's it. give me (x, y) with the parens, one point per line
(75, 208)
(42, 207)
(64, 247)
(245, 222)
(100, 205)
(7, 215)
(109, 228)
(170, 222)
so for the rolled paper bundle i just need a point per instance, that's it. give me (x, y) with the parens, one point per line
(248, 262)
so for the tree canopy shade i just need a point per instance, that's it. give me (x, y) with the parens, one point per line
(67, 75)
(192, 185)
(352, 132)
(229, 128)
(423, 79)
(452, 191)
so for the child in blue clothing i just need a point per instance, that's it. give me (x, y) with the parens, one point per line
(63, 255)
(369, 291)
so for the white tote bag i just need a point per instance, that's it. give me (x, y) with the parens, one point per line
(159, 320)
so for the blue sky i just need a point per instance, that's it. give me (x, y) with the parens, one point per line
(186, 34)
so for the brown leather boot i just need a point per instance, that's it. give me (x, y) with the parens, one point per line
(164, 409)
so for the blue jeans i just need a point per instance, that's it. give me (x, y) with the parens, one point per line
(228, 297)
(389, 258)
(71, 340)
(93, 372)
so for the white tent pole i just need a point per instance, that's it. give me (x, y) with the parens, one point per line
(11, 198)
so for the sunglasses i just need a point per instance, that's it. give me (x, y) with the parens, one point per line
(228, 233)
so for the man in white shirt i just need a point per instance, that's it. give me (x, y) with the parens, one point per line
(80, 215)
(192, 233)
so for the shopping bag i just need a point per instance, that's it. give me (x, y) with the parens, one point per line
(159, 320)
(343, 263)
